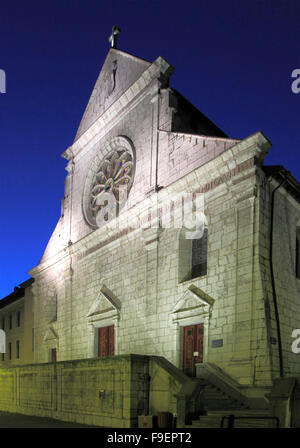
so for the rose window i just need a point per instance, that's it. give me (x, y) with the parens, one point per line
(109, 185)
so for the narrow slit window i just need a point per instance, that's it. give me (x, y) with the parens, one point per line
(18, 319)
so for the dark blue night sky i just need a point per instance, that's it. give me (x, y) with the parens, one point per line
(233, 60)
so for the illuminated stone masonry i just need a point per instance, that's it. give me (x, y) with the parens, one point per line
(135, 286)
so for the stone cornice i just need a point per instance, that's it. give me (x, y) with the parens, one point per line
(97, 239)
(13, 305)
(195, 136)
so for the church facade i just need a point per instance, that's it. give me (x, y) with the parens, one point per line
(174, 240)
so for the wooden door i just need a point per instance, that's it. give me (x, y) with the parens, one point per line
(106, 342)
(192, 348)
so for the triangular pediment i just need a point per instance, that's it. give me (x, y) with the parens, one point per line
(194, 299)
(50, 335)
(119, 71)
(105, 304)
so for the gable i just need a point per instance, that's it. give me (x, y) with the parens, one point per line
(57, 242)
(105, 306)
(50, 335)
(120, 70)
(194, 302)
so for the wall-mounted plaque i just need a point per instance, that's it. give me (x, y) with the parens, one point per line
(217, 343)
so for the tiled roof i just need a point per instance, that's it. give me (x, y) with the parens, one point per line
(18, 293)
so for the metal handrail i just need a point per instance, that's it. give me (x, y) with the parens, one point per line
(231, 418)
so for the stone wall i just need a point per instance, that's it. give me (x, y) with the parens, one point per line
(107, 392)
(146, 298)
(140, 268)
(287, 285)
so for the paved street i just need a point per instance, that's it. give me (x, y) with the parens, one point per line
(8, 420)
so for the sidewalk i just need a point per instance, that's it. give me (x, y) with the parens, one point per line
(8, 420)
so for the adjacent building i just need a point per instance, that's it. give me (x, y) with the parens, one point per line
(17, 320)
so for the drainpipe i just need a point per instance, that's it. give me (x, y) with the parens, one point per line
(272, 277)
(157, 140)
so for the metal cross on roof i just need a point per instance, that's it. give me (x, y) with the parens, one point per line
(113, 37)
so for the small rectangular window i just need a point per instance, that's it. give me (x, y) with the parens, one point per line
(18, 349)
(32, 339)
(3, 323)
(18, 318)
(9, 350)
(2, 356)
(10, 322)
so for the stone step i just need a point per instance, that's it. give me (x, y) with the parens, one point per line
(212, 394)
(209, 421)
(205, 423)
(213, 418)
(219, 404)
(240, 412)
(220, 399)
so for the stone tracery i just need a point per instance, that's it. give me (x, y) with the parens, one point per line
(113, 176)
(115, 171)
